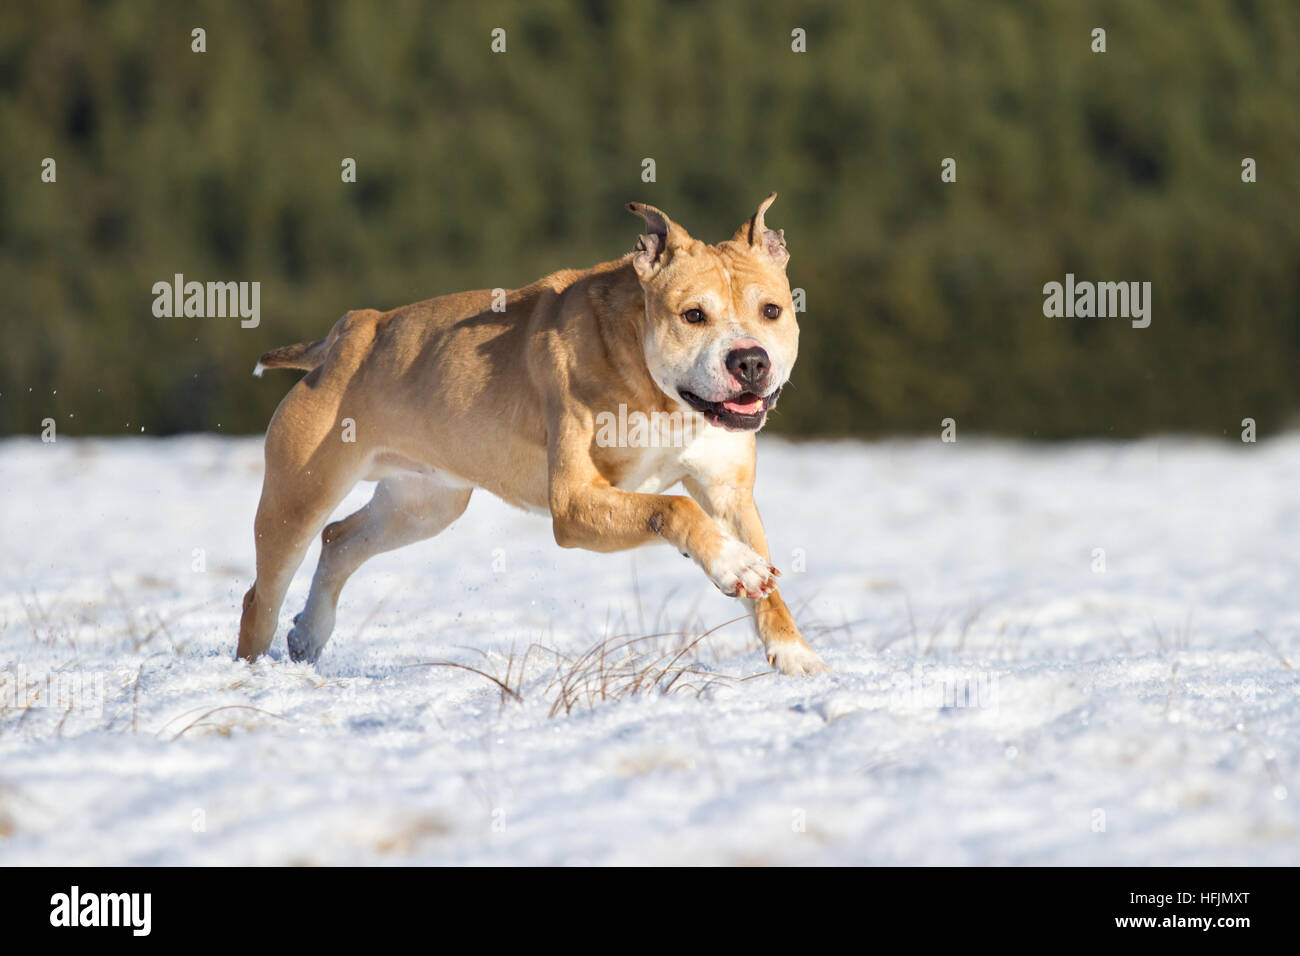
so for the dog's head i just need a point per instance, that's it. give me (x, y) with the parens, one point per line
(721, 335)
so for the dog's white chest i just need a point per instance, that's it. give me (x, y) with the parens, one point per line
(655, 470)
(703, 451)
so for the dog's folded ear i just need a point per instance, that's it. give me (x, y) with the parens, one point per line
(755, 234)
(661, 236)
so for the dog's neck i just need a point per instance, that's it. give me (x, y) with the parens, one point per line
(617, 299)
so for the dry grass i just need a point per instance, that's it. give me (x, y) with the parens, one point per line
(223, 727)
(7, 825)
(407, 836)
(1276, 653)
(612, 669)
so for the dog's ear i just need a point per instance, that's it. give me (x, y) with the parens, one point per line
(755, 234)
(662, 235)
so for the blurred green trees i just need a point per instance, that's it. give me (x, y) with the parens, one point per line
(475, 169)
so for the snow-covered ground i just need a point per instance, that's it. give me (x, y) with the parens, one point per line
(1003, 692)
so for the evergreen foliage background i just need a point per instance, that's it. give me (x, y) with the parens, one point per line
(481, 170)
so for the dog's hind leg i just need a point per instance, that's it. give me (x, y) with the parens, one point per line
(404, 509)
(284, 529)
(308, 472)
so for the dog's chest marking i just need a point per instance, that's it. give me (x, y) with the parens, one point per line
(709, 451)
(655, 470)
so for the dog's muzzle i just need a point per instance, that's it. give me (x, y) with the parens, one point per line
(744, 411)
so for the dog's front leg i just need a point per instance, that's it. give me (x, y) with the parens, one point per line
(589, 512)
(598, 517)
(733, 507)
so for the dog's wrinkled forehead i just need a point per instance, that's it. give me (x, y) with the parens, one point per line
(721, 280)
(668, 260)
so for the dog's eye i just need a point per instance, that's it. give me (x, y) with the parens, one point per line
(693, 316)
(771, 311)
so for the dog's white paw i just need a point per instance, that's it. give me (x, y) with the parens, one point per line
(740, 571)
(796, 659)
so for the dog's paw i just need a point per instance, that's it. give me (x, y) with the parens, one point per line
(740, 571)
(796, 659)
(303, 647)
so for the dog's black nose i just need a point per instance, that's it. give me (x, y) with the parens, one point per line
(750, 366)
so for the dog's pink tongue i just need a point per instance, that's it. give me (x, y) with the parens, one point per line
(744, 405)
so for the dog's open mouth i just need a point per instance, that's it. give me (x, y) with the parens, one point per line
(743, 412)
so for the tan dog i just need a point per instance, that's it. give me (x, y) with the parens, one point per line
(450, 394)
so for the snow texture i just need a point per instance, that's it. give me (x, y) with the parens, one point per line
(1003, 692)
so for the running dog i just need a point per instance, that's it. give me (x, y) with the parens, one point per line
(509, 392)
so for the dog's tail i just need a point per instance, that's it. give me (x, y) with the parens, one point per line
(304, 355)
